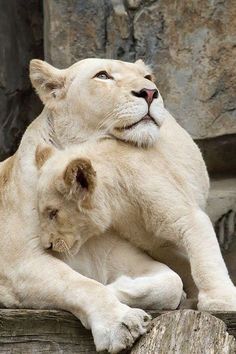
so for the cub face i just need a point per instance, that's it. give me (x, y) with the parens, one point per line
(67, 208)
(102, 96)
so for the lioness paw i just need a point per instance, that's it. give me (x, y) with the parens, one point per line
(222, 300)
(120, 332)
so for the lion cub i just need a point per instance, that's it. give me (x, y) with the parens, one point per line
(75, 226)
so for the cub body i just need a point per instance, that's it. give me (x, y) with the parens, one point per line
(80, 230)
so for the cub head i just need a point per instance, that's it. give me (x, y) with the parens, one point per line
(104, 96)
(69, 212)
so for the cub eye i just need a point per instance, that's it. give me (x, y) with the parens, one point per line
(148, 77)
(52, 214)
(103, 75)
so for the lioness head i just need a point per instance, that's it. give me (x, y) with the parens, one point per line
(67, 211)
(100, 95)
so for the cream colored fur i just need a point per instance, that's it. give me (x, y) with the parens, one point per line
(29, 276)
(80, 105)
(140, 194)
(134, 277)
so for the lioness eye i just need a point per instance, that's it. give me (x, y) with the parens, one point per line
(103, 75)
(52, 214)
(148, 77)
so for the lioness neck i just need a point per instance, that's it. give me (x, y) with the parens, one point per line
(66, 129)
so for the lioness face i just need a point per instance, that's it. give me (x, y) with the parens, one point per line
(100, 95)
(65, 196)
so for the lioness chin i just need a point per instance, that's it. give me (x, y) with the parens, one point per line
(94, 97)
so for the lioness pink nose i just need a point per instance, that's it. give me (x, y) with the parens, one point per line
(147, 94)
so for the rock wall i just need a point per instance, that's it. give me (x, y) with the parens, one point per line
(21, 39)
(189, 44)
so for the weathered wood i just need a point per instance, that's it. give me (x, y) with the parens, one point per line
(41, 331)
(185, 332)
(229, 318)
(51, 331)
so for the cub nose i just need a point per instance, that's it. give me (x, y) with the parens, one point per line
(147, 94)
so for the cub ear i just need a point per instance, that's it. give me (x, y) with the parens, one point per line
(42, 154)
(48, 81)
(79, 181)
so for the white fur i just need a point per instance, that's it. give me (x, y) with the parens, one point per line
(134, 277)
(149, 196)
(76, 108)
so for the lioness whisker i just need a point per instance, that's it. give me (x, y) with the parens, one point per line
(111, 115)
(106, 118)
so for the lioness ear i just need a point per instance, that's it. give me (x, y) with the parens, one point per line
(140, 62)
(42, 154)
(79, 180)
(144, 66)
(48, 81)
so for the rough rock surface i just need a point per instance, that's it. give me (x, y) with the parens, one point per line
(74, 29)
(21, 39)
(191, 45)
(221, 208)
(219, 155)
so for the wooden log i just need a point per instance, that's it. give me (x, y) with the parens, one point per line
(42, 331)
(51, 332)
(186, 332)
(229, 318)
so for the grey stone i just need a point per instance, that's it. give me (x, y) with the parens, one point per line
(74, 30)
(222, 198)
(21, 39)
(219, 154)
(119, 39)
(121, 18)
(221, 208)
(133, 4)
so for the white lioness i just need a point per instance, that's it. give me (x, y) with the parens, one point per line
(105, 97)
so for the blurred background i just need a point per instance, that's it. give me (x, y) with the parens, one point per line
(191, 45)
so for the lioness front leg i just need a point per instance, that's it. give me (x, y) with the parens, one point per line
(216, 290)
(139, 280)
(47, 282)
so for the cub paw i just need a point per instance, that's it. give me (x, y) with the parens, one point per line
(121, 331)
